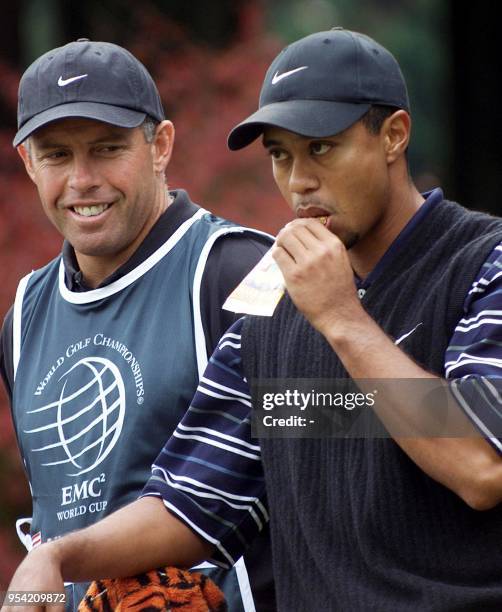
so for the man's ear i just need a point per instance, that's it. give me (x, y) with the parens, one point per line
(26, 157)
(396, 130)
(163, 143)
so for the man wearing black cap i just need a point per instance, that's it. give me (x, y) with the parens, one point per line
(391, 285)
(102, 351)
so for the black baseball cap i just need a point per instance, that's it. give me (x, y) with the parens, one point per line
(93, 80)
(321, 84)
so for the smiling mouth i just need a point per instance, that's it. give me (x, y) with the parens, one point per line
(90, 211)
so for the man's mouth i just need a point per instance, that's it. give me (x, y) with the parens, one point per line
(90, 211)
(313, 212)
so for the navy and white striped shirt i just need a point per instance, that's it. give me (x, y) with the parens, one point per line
(209, 473)
(473, 360)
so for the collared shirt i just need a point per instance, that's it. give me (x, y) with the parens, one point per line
(210, 473)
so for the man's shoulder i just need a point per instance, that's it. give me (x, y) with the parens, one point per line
(230, 259)
(462, 216)
(35, 277)
(7, 329)
(233, 246)
(461, 234)
(216, 232)
(47, 268)
(232, 228)
(238, 250)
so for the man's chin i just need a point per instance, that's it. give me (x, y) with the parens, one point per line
(98, 249)
(349, 239)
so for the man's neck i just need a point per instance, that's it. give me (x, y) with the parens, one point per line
(365, 255)
(96, 269)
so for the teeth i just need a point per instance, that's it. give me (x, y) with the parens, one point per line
(323, 220)
(90, 211)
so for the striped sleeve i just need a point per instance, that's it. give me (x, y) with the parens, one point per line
(209, 473)
(473, 360)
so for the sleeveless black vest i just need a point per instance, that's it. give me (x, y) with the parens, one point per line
(355, 524)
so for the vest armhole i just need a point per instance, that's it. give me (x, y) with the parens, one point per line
(17, 320)
(200, 339)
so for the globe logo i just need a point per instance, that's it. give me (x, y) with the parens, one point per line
(81, 427)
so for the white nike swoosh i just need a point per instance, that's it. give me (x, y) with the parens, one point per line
(404, 336)
(62, 82)
(278, 77)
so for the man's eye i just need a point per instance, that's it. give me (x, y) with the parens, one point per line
(109, 148)
(277, 154)
(320, 148)
(56, 155)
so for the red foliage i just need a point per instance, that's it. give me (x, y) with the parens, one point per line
(205, 92)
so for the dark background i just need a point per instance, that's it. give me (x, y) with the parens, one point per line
(209, 59)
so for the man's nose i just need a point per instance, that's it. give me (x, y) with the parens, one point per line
(302, 178)
(83, 175)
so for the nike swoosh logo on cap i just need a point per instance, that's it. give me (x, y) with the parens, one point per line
(62, 82)
(278, 77)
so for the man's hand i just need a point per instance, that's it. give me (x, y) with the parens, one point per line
(318, 274)
(39, 573)
(320, 281)
(133, 540)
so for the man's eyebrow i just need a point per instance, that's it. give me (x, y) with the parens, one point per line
(43, 146)
(111, 136)
(47, 144)
(270, 142)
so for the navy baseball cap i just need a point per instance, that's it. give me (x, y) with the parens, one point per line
(93, 80)
(321, 84)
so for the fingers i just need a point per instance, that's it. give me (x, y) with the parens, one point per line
(305, 233)
(293, 242)
(304, 239)
(283, 259)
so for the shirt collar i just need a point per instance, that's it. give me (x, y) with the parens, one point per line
(432, 199)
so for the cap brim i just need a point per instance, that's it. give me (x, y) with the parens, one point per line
(116, 115)
(312, 118)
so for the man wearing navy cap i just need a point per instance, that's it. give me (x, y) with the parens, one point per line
(392, 285)
(103, 348)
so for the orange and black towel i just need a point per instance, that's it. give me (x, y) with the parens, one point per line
(167, 589)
